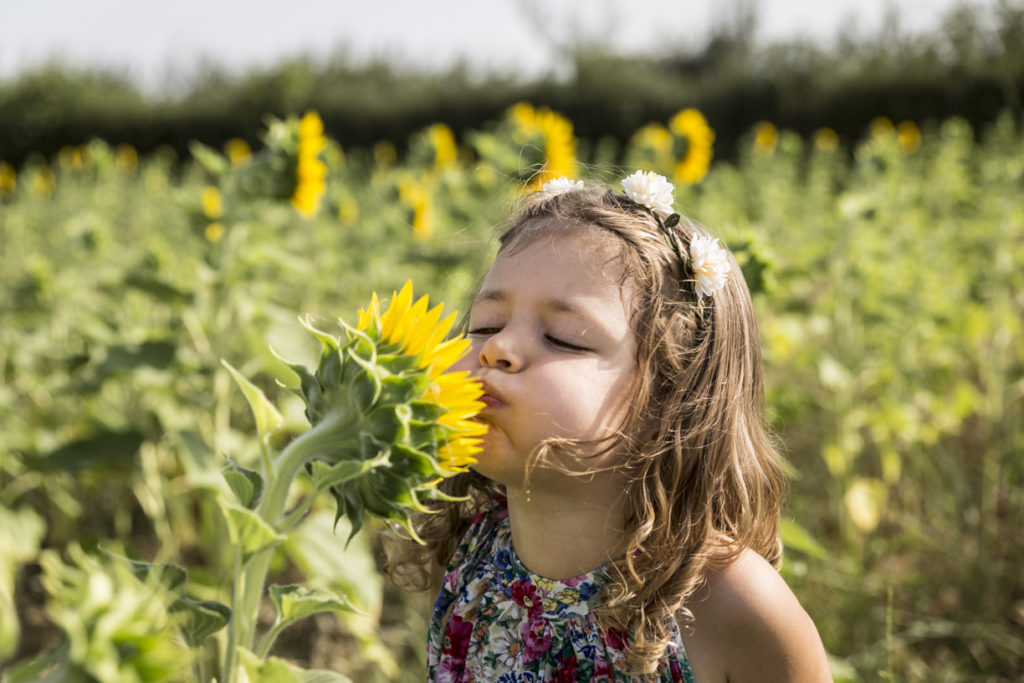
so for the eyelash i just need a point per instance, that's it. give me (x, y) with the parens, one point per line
(555, 341)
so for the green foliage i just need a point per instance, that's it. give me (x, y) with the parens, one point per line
(888, 289)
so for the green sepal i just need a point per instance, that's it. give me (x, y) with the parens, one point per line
(402, 389)
(246, 484)
(248, 531)
(347, 506)
(330, 371)
(427, 411)
(398, 363)
(364, 386)
(432, 493)
(203, 618)
(326, 475)
(328, 340)
(415, 461)
(672, 221)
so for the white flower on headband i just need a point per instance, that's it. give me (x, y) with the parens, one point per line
(553, 188)
(652, 190)
(710, 264)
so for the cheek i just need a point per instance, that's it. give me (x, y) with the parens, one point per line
(586, 404)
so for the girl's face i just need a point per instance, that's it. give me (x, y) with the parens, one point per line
(553, 346)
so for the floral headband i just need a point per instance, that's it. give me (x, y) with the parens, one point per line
(707, 260)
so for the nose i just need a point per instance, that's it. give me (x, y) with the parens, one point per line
(500, 352)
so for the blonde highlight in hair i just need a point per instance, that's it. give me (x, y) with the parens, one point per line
(704, 480)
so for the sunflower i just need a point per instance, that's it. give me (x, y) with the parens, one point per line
(908, 137)
(382, 400)
(556, 136)
(8, 179)
(310, 172)
(420, 333)
(691, 126)
(418, 197)
(766, 138)
(237, 151)
(442, 140)
(212, 202)
(650, 149)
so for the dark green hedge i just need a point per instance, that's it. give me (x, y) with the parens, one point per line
(972, 68)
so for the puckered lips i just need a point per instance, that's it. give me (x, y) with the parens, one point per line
(491, 398)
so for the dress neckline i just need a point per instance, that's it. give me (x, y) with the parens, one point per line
(556, 594)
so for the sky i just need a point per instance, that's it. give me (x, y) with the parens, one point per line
(153, 42)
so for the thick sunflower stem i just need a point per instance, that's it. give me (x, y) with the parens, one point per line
(331, 431)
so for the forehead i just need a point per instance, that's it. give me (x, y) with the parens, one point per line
(567, 264)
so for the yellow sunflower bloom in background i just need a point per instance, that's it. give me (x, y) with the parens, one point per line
(690, 125)
(766, 138)
(213, 204)
(826, 140)
(310, 171)
(908, 137)
(8, 179)
(442, 140)
(558, 142)
(237, 151)
(126, 158)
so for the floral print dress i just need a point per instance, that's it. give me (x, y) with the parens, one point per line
(496, 622)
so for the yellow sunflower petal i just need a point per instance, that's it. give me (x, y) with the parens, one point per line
(408, 322)
(444, 355)
(418, 339)
(396, 309)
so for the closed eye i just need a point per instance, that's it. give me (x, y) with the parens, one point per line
(561, 343)
(483, 331)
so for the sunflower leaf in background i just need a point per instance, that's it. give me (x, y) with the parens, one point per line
(293, 602)
(249, 533)
(274, 670)
(246, 484)
(120, 628)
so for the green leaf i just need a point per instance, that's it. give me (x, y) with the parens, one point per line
(267, 417)
(274, 670)
(294, 602)
(52, 666)
(211, 160)
(106, 449)
(796, 537)
(158, 353)
(325, 475)
(352, 570)
(248, 531)
(171, 576)
(160, 290)
(203, 618)
(246, 484)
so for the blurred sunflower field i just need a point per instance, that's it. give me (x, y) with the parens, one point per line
(887, 276)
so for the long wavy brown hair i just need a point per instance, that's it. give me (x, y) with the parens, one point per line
(704, 481)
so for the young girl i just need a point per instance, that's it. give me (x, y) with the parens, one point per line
(621, 523)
